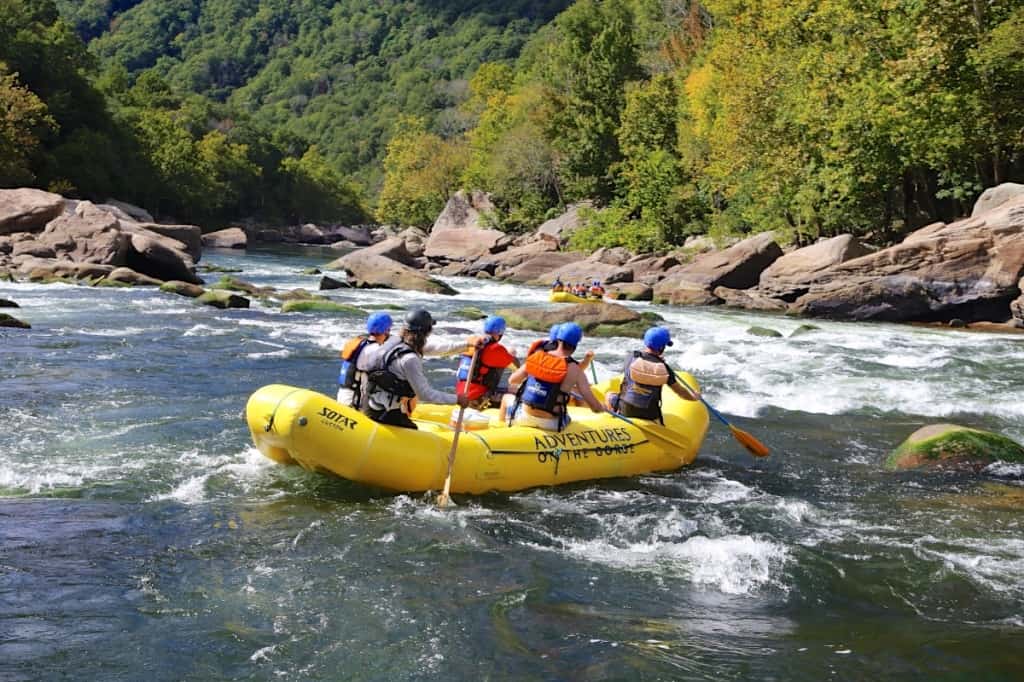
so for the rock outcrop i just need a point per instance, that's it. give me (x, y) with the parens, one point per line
(228, 238)
(791, 275)
(28, 210)
(738, 267)
(970, 270)
(377, 272)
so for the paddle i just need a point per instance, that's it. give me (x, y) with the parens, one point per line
(753, 445)
(444, 499)
(649, 429)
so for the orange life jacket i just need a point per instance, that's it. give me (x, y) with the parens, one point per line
(542, 390)
(488, 368)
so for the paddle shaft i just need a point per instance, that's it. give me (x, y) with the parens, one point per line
(444, 498)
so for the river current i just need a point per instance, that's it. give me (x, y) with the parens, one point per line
(143, 537)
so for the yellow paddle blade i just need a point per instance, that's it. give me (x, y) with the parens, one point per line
(444, 500)
(753, 445)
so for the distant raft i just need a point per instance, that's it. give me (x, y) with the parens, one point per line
(297, 426)
(566, 297)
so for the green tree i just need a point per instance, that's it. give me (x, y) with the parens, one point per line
(24, 120)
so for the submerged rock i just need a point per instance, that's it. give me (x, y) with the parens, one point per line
(182, 288)
(318, 306)
(4, 303)
(953, 446)
(764, 331)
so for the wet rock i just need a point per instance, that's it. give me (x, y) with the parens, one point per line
(311, 271)
(598, 319)
(13, 322)
(320, 307)
(229, 283)
(183, 289)
(470, 313)
(630, 291)
(329, 283)
(5, 303)
(218, 298)
(28, 210)
(764, 331)
(229, 238)
(803, 330)
(129, 276)
(957, 323)
(953, 446)
(749, 299)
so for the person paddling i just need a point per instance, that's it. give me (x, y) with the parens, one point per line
(493, 358)
(396, 380)
(352, 376)
(644, 375)
(551, 343)
(546, 381)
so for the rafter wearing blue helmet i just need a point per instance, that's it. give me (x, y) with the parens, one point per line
(492, 359)
(643, 376)
(350, 377)
(546, 381)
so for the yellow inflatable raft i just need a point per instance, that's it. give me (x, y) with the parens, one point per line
(566, 297)
(297, 426)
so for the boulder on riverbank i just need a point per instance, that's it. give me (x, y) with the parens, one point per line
(598, 319)
(953, 446)
(28, 210)
(228, 238)
(737, 267)
(377, 272)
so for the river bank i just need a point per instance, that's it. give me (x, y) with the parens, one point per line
(144, 536)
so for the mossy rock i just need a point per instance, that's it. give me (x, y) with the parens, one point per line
(182, 288)
(108, 283)
(229, 283)
(470, 313)
(220, 298)
(299, 294)
(386, 306)
(216, 268)
(312, 271)
(13, 322)
(630, 329)
(320, 307)
(764, 331)
(651, 318)
(953, 446)
(804, 329)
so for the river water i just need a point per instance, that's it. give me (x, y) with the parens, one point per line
(143, 537)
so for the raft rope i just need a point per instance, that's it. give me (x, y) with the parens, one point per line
(273, 414)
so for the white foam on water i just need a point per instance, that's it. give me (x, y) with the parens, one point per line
(33, 481)
(1012, 470)
(208, 330)
(995, 563)
(190, 491)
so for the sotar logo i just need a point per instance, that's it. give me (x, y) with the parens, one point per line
(338, 418)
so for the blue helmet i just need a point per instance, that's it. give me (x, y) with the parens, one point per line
(656, 338)
(553, 334)
(378, 323)
(569, 333)
(494, 324)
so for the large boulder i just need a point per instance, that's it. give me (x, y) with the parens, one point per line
(994, 197)
(1017, 306)
(189, 236)
(377, 272)
(790, 276)
(461, 232)
(586, 271)
(953, 446)
(559, 230)
(737, 267)
(28, 210)
(228, 238)
(464, 211)
(748, 299)
(88, 234)
(969, 270)
(630, 291)
(598, 319)
(157, 256)
(132, 211)
(539, 264)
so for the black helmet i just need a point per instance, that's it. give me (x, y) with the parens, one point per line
(419, 320)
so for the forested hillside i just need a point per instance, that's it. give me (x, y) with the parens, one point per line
(807, 117)
(334, 72)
